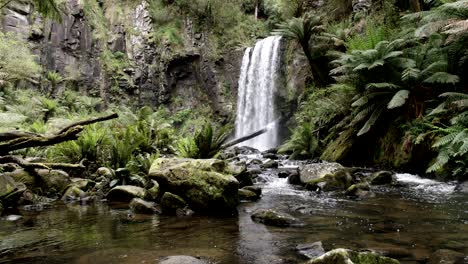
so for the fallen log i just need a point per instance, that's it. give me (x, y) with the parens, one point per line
(89, 122)
(37, 165)
(245, 138)
(34, 140)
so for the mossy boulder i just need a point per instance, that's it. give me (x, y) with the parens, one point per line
(273, 218)
(257, 190)
(360, 190)
(315, 171)
(53, 181)
(247, 195)
(153, 191)
(346, 256)
(381, 178)
(340, 180)
(170, 203)
(22, 176)
(73, 193)
(125, 193)
(240, 172)
(206, 185)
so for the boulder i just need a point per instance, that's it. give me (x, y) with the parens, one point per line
(270, 164)
(125, 193)
(246, 195)
(83, 184)
(140, 206)
(294, 179)
(314, 171)
(273, 218)
(54, 181)
(311, 250)
(340, 180)
(153, 192)
(445, 256)
(240, 172)
(381, 178)
(206, 185)
(272, 156)
(359, 190)
(105, 172)
(171, 203)
(73, 193)
(254, 189)
(22, 176)
(346, 256)
(182, 260)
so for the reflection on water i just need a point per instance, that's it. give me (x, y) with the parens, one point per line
(408, 223)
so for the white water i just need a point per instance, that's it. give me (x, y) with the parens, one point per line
(425, 185)
(257, 88)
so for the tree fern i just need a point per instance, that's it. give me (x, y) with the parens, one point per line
(399, 99)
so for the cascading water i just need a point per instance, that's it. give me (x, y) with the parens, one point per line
(257, 88)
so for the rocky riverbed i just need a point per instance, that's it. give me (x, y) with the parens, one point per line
(410, 219)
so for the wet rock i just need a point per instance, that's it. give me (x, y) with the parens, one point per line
(346, 256)
(283, 174)
(270, 164)
(254, 162)
(445, 256)
(310, 251)
(140, 206)
(257, 190)
(125, 193)
(360, 190)
(294, 179)
(246, 195)
(254, 172)
(170, 203)
(153, 192)
(55, 181)
(381, 178)
(272, 156)
(314, 171)
(206, 185)
(83, 184)
(73, 193)
(340, 180)
(462, 187)
(240, 172)
(182, 260)
(105, 172)
(244, 150)
(273, 218)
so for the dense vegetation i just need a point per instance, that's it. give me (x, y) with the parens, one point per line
(387, 83)
(398, 92)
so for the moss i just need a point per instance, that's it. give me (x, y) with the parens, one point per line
(370, 258)
(338, 149)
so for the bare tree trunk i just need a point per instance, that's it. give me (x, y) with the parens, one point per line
(415, 5)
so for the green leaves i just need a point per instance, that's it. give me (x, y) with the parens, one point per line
(399, 99)
(443, 78)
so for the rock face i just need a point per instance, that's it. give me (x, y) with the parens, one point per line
(76, 49)
(273, 218)
(346, 256)
(314, 171)
(125, 193)
(206, 185)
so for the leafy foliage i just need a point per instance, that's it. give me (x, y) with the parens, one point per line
(206, 143)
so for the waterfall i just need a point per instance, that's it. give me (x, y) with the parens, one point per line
(257, 89)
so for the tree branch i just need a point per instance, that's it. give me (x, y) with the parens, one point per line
(89, 121)
(48, 166)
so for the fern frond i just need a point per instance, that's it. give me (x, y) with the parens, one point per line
(399, 99)
(445, 140)
(371, 121)
(442, 77)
